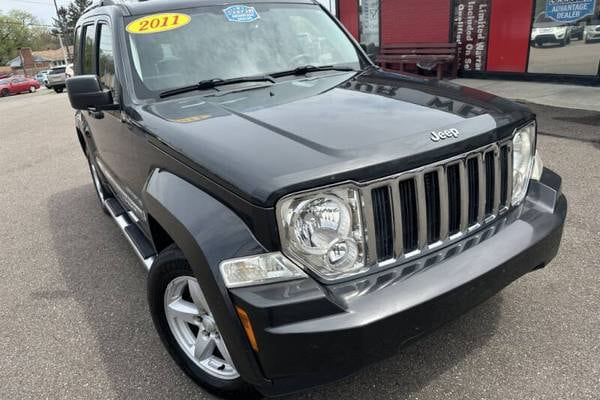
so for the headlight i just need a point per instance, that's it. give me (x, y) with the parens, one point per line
(523, 157)
(323, 231)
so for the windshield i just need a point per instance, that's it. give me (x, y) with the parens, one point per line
(57, 71)
(218, 44)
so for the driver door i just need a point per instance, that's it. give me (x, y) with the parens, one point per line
(114, 151)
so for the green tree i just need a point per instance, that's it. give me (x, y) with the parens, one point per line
(74, 11)
(61, 24)
(21, 29)
(67, 17)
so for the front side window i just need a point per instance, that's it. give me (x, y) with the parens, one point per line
(88, 49)
(106, 62)
(76, 50)
(212, 45)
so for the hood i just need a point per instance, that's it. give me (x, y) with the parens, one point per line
(266, 142)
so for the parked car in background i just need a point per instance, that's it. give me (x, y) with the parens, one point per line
(577, 31)
(592, 33)
(18, 84)
(42, 77)
(57, 78)
(69, 71)
(546, 30)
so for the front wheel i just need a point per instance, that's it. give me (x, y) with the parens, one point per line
(32, 89)
(58, 89)
(188, 329)
(4, 93)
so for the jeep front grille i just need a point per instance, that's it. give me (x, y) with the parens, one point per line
(417, 211)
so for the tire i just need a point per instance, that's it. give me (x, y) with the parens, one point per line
(32, 89)
(563, 42)
(59, 89)
(169, 274)
(4, 93)
(100, 188)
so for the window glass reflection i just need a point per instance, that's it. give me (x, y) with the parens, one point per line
(565, 37)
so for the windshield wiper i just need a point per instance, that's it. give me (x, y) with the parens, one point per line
(214, 82)
(302, 70)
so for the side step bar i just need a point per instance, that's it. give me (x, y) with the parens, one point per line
(142, 247)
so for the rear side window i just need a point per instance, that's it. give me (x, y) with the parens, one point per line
(88, 50)
(106, 62)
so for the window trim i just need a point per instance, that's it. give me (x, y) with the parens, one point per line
(84, 31)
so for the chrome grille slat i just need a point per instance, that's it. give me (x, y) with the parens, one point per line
(370, 226)
(408, 192)
(443, 188)
(481, 188)
(509, 186)
(497, 183)
(464, 196)
(397, 215)
(421, 211)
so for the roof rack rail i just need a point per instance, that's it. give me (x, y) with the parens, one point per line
(100, 3)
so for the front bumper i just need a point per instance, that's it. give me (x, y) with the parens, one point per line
(547, 38)
(309, 334)
(592, 35)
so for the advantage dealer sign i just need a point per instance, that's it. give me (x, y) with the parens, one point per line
(569, 10)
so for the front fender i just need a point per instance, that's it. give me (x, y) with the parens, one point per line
(207, 232)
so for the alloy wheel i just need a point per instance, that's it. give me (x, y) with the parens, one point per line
(194, 328)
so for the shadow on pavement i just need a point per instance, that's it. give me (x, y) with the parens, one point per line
(104, 277)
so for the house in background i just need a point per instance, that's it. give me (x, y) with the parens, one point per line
(36, 61)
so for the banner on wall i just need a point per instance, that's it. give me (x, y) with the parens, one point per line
(471, 28)
(569, 10)
(369, 22)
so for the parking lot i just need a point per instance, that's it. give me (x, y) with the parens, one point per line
(577, 58)
(74, 321)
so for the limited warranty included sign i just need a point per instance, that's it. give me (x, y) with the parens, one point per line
(569, 10)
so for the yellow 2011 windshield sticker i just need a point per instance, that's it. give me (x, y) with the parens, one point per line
(158, 23)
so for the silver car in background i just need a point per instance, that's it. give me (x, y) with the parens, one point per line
(57, 78)
(592, 33)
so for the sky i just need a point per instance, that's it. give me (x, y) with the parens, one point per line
(42, 9)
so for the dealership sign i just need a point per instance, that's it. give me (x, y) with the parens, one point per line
(569, 10)
(471, 28)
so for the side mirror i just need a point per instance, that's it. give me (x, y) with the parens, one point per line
(85, 92)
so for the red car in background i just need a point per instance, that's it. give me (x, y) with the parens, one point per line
(18, 84)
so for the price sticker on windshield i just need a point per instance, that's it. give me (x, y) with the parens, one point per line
(158, 23)
(240, 14)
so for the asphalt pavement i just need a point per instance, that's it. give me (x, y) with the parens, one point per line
(74, 322)
(576, 58)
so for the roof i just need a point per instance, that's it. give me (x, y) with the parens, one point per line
(151, 6)
(40, 57)
(52, 55)
(16, 62)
